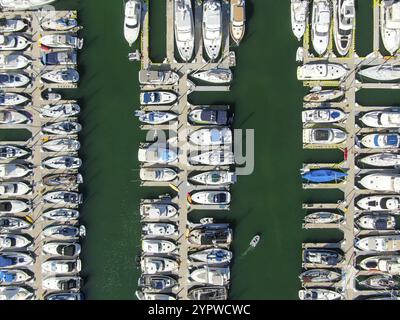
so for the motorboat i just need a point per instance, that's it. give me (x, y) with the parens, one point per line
(11, 171)
(210, 293)
(63, 249)
(212, 27)
(157, 97)
(381, 140)
(319, 275)
(184, 28)
(322, 256)
(63, 197)
(216, 177)
(211, 137)
(13, 206)
(15, 260)
(383, 72)
(382, 160)
(13, 117)
(389, 14)
(59, 24)
(24, 4)
(13, 43)
(157, 283)
(381, 203)
(61, 41)
(159, 229)
(320, 25)
(62, 145)
(327, 136)
(14, 188)
(12, 98)
(155, 265)
(214, 75)
(16, 276)
(380, 281)
(13, 80)
(9, 152)
(344, 19)
(211, 197)
(49, 95)
(212, 256)
(210, 116)
(381, 182)
(158, 77)
(155, 117)
(238, 20)
(13, 224)
(157, 154)
(13, 241)
(324, 95)
(59, 58)
(14, 293)
(386, 264)
(62, 128)
(157, 174)
(61, 231)
(321, 71)
(132, 20)
(376, 222)
(60, 110)
(62, 283)
(66, 75)
(61, 266)
(14, 61)
(319, 294)
(61, 214)
(323, 217)
(213, 158)
(211, 235)
(218, 276)
(12, 25)
(70, 296)
(157, 211)
(299, 17)
(322, 116)
(158, 246)
(388, 243)
(63, 162)
(381, 119)
(140, 295)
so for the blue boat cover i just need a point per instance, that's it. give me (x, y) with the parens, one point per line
(323, 175)
(335, 114)
(6, 277)
(151, 97)
(5, 262)
(165, 155)
(392, 139)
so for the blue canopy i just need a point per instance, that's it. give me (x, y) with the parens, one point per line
(392, 139)
(5, 262)
(324, 175)
(151, 97)
(6, 277)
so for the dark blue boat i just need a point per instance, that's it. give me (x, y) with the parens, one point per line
(324, 175)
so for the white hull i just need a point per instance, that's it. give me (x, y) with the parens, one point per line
(326, 136)
(323, 96)
(11, 99)
(212, 256)
(238, 20)
(10, 171)
(382, 160)
(381, 119)
(57, 232)
(63, 128)
(211, 137)
(14, 188)
(321, 71)
(12, 25)
(381, 73)
(156, 117)
(60, 110)
(13, 206)
(344, 22)
(212, 27)
(13, 241)
(323, 217)
(160, 229)
(61, 214)
(133, 16)
(381, 141)
(8, 152)
(299, 17)
(319, 294)
(216, 157)
(63, 197)
(386, 203)
(154, 154)
(157, 211)
(211, 275)
(388, 243)
(158, 246)
(24, 4)
(216, 75)
(13, 62)
(322, 116)
(14, 293)
(63, 163)
(61, 266)
(158, 77)
(214, 178)
(381, 182)
(154, 265)
(184, 28)
(55, 283)
(61, 76)
(13, 43)
(157, 97)
(390, 25)
(13, 80)
(62, 249)
(157, 174)
(320, 26)
(211, 197)
(62, 24)
(61, 145)
(61, 41)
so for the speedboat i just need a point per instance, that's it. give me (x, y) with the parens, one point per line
(211, 137)
(211, 235)
(382, 203)
(63, 197)
(390, 25)
(384, 72)
(61, 214)
(155, 117)
(63, 162)
(12, 25)
(219, 276)
(212, 27)
(381, 119)
(132, 20)
(381, 140)
(210, 293)
(13, 206)
(217, 177)
(211, 197)
(70, 296)
(344, 15)
(61, 266)
(322, 116)
(386, 264)
(212, 256)
(158, 246)
(9, 152)
(324, 176)
(320, 25)
(11, 171)
(13, 241)
(382, 160)
(215, 75)
(14, 188)
(24, 4)
(63, 249)
(319, 294)
(157, 283)
(59, 58)
(380, 281)
(13, 224)
(322, 256)
(158, 77)
(62, 283)
(154, 265)
(323, 95)
(157, 211)
(13, 43)
(321, 71)
(15, 260)
(299, 17)
(12, 98)
(157, 154)
(159, 229)
(58, 24)
(323, 217)
(8, 277)
(14, 61)
(60, 110)
(209, 116)
(62, 145)
(157, 97)
(376, 222)
(62, 180)
(184, 28)
(13, 80)
(61, 231)
(324, 136)
(62, 128)
(14, 293)
(381, 182)
(319, 275)
(157, 174)
(153, 296)
(238, 20)
(389, 243)
(61, 41)
(12, 117)
(213, 158)
(66, 75)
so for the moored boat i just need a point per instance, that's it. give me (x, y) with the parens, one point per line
(62, 145)
(212, 27)
(155, 117)
(14, 61)
(381, 182)
(322, 256)
(14, 293)
(326, 136)
(12, 98)
(299, 17)
(14, 188)
(382, 160)
(62, 162)
(387, 243)
(380, 202)
(13, 117)
(61, 214)
(13, 241)
(210, 116)
(63, 197)
(12, 25)
(217, 177)
(238, 20)
(387, 264)
(380, 281)
(344, 13)
(320, 25)
(16, 276)
(62, 249)
(322, 115)
(319, 294)
(63, 180)
(60, 110)
(212, 256)
(132, 20)
(58, 24)
(381, 140)
(158, 77)
(13, 80)
(384, 72)
(13, 43)
(215, 157)
(10, 152)
(376, 222)
(219, 276)
(321, 71)
(65, 76)
(154, 265)
(13, 224)
(319, 275)
(61, 41)
(211, 197)
(323, 217)
(24, 4)
(389, 15)
(211, 137)
(184, 28)
(157, 97)
(215, 75)
(62, 128)
(323, 95)
(157, 154)
(15, 260)
(382, 119)
(157, 211)
(158, 246)
(11, 171)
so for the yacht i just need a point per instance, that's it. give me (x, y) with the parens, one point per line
(386, 264)
(382, 119)
(60, 110)
(157, 154)
(216, 178)
(61, 266)
(58, 24)
(381, 182)
(322, 256)
(64, 76)
(14, 188)
(381, 72)
(63, 197)
(62, 128)
(62, 249)
(13, 241)
(324, 136)
(61, 41)
(154, 296)
(8, 277)
(376, 222)
(62, 283)
(13, 43)
(381, 140)
(214, 158)
(9, 152)
(155, 117)
(62, 145)
(61, 232)
(157, 174)
(321, 71)
(159, 229)
(14, 61)
(12, 98)
(24, 4)
(212, 27)
(13, 224)
(218, 276)
(158, 77)
(157, 97)
(155, 265)
(15, 260)
(13, 206)
(211, 197)
(14, 293)
(380, 281)
(238, 20)
(382, 160)
(184, 28)
(13, 117)
(12, 25)
(390, 25)
(381, 203)
(12, 171)
(324, 176)
(61, 214)
(323, 217)
(62, 180)
(299, 17)
(157, 283)
(215, 75)
(13, 80)
(212, 256)
(210, 293)
(324, 95)
(65, 296)
(211, 137)
(320, 275)
(62, 162)
(158, 246)
(320, 25)
(389, 243)
(59, 58)
(210, 116)
(322, 116)
(319, 294)
(344, 17)
(157, 211)
(132, 21)
(211, 235)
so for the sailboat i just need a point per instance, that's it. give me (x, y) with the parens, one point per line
(133, 14)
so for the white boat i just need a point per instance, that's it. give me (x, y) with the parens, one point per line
(14, 61)
(212, 27)
(62, 283)
(319, 294)
(12, 117)
(322, 115)
(9, 152)
(62, 266)
(387, 243)
(381, 140)
(323, 217)
(384, 203)
(211, 137)
(154, 296)
(158, 77)
(58, 24)
(8, 277)
(24, 4)
(382, 160)
(157, 174)
(208, 115)
(66, 75)
(62, 232)
(15, 260)
(13, 206)
(386, 264)
(60, 110)
(64, 296)
(14, 188)
(381, 119)
(184, 28)
(376, 222)
(323, 95)
(299, 17)
(255, 241)
(211, 197)
(159, 229)
(12, 25)
(381, 182)
(214, 75)
(63, 180)
(344, 18)
(157, 154)
(219, 276)
(216, 177)
(13, 43)
(132, 20)
(155, 117)
(60, 58)
(13, 224)
(319, 275)
(12, 98)
(321, 71)
(212, 256)
(62, 145)
(13, 80)
(61, 214)
(158, 246)
(14, 293)
(157, 211)
(322, 256)
(63, 249)
(157, 97)
(62, 128)
(214, 158)
(384, 72)
(63, 162)
(155, 265)
(63, 197)
(61, 41)
(320, 25)
(389, 15)
(13, 241)
(11, 171)
(238, 20)
(324, 136)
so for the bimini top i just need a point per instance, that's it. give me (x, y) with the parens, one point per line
(6, 277)
(219, 117)
(151, 97)
(391, 140)
(5, 262)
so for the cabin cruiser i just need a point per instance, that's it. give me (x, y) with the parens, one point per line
(15, 260)
(390, 25)
(376, 222)
(323, 217)
(157, 97)
(61, 266)
(210, 116)
(324, 136)
(62, 249)
(157, 211)
(299, 17)
(157, 154)
(12, 98)
(157, 174)
(9, 152)
(320, 25)
(322, 116)
(62, 145)
(322, 256)
(62, 283)
(13, 43)
(14, 188)
(387, 264)
(154, 265)
(212, 256)
(61, 214)
(238, 20)
(62, 180)
(382, 119)
(382, 160)
(159, 229)
(65, 296)
(184, 28)
(12, 25)
(158, 246)
(216, 177)
(132, 20)
(210, 293)
(211, 235)
(380, 281)
(389, 243)
(63, 197)
(214, 158)
(59, 58)
(14, 61)
(381, 140)
(381, 72)
(212, 27)
(66, 75)
(13, 241)
(211, 137)
(211, 197)
(155, 117)
(381, 182)
(319, 294)
(8, 277)
(215, 75)
(58, 24)
(219, 276)
(140, 295)
(344, 15)
(157, 283)
(13, 224)
(321, 71)
(319, 275)
(61, 41)
(14, 293)
(382, 203)
(24, 4)
(13, 80)
(11, 171)
(158, 77)
(13, 206)
(62, 162)
(13, 117)
(60, 110)
(62, 128)
(61, 231)
(323, 95)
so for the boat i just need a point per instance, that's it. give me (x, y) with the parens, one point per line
(61, 214)
(14, 293)
(211, 137)
(211, 235)
(211, 197)
(158, 77)
(13, 224)
(324, 136)
(321, 71)
(13, 206)
(319, 294)
(299, 17)
(63, 249)
(62, 145)
(14, 61)
(157, 97)
(388, 243)
(381, 182)
(63, 197)
(384, 203)
(214, 75)
(213, 158)
(13, 80)
(65, 296)
(12, 171)
(381, 140)
(62, 162)
(382, 119)
(324, 95)
(157, 154)
(238, 20)
(59, 58)
(61, 231)
(62, 283)
(320, 25)
(157, 174)
(218, 276)
(212, 27)
(389, 14)
(323, 217)
(216, 177)
(132, 20)
(383, 72)
(13, 117)
(24, 4)
(13, 241)
(157, 283)
(14, 188)
(322, 256)
(9, 152)
(382, 160)
(184, 28)
(12, 98)
(157, 211)
(59, 24)
(344, 19)
(50, 95)
(159, 229)
(8, 277)
(61, 266)
(12, 25)
(66, 75)
(13, 43)
(376, 222)
(322, 116)
(61, 41)
(15, 260)
(210, 116)
(380, 281)
(153, 296)
(62, 128)
(210, 293)
(386, 264)
(60, 110)
(212, 256)
(319, 275)
(155, 117)
(155, 265)
(158, 246)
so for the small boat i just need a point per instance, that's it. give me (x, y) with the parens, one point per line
(8, 277)
(155, 117)
(211, 235)
(212, 256)
(219, 276)
(320, 25)
(157, 154)
(212, 27)
(389, 243)
(254, 242)
(322, 256)
(58, 24)
(62, 145)
(324, 95)
(61, 214)
(213, 158)
(238, 20)
(61, 231)
(155, 265)
(15, 260)
(211, 197)
(157, 283)
(63, 249)
(158, 246)
(157, 174)
(386, 264)
(132, 20)
(14, 61)
(376, 222)
(389, 15)
(299, 17)
(9, 152)
(59, 58)
(13, 206)
(62, 283)
(211, 137)
(381, 119)
(13, 80)
(381, 140)
(67, 75)
(382, 160)
(326, 136)
(61, 41)
(12, 25)
(381, 182)
(14, 293)
(384, 203)
(13, 43)
(210, 293)
(60, 110)
(158, 77)
(157, 97)
(153, 296)
(13, 241)
(70, 296)
(184, 28)
(216, 177)
(62, 128)
(14, 188)
(13, 224)
(383, 72)
(322, 116)
(24, 4)
(11, 171)
(380, 281)
(210, 116)
(321, 71)
(63, 197)
(319, 294)
(12, 98)
(61, 266)
(51, 96)
(215, 75)
(324, 175)
(344, 18)
(13, 117)
(157, 211)
(63, 162)
(323, 217)
(319, 275)
(159, 229)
